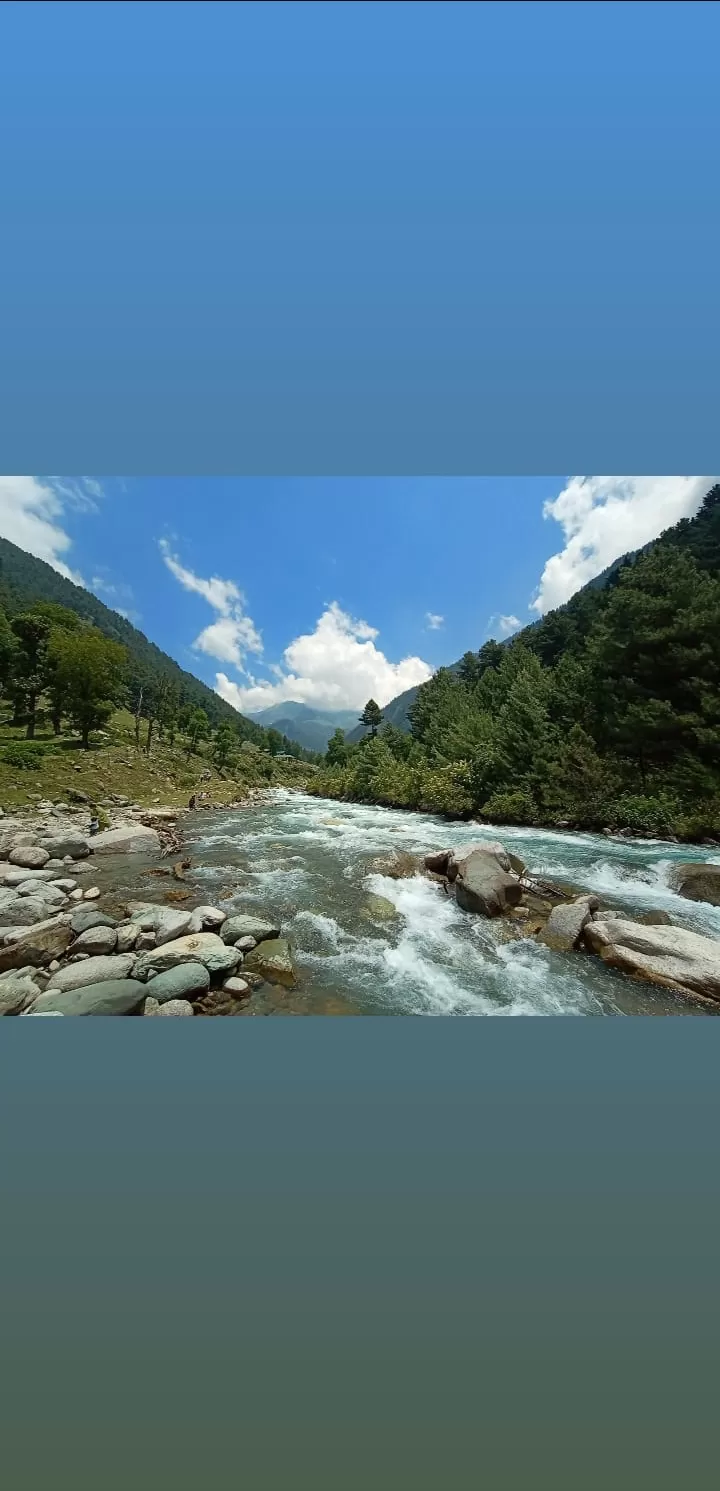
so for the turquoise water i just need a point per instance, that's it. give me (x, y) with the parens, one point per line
(306, 861)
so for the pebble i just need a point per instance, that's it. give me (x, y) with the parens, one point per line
(93, 893)
(76, 895)
(54, 966)
(237, 987)
(246, 944)
(171, 1007)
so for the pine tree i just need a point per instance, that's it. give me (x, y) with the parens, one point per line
(371, 717)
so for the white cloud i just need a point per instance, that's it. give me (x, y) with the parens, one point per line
(603, 517)
(506, 625)
(234, 635)
(337, 666)
(434, 622)
(31, 515)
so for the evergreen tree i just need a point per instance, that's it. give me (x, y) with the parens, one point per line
(90, 672)
(371, 717)
(337, 751)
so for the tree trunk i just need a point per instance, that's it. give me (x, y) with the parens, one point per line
(30, 732)
(56, 722)
(86, 737)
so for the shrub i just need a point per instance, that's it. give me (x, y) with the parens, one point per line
(654, 815)
(26, 755)
(510, 807)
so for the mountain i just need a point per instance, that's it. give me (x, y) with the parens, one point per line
(560, 629)
(303, 723)
(25, 580)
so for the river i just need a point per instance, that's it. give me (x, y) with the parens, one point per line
(304, 860)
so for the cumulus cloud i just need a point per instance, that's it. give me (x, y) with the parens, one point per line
(32, 510)
(603, 517)
(505, 625)
(234, 634)
(434, 622)
(336, 666)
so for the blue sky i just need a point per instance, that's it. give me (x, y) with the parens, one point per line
(328, 590)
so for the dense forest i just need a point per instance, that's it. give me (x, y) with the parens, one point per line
(605, 714)
(64, 653)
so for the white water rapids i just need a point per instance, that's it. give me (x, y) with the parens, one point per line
(305, 861)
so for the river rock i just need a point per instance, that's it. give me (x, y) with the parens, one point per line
(399, 864)
(170, 924)
(206, 919)
(36, 945)
(92, 894)
(41, 890)
(245, 944)
(671, 956)
(173, 1007)
(92, 971)
(96, 941)
(235, 986)
(127, 936)
(76, 895)
(484, 887)
(564, 926)
(651, 919)
(459, 858)
(202, 947)
(11, 841)
(697, 882)
(186, 981)
(108, 997)
(66, 846)
(29, 857)
(272, 959)
(247, 925)
(378, 909)
(12, 876)
(24, 912)
(16, 994)
(132, 839)
(86, 917)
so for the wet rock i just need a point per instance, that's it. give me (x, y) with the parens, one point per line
(670, 956)
(187, 981)
(29, 857)
(206, 919)
(697, 882)
(272, 959)
(67, 846)
(96, 941)
(133, 839)
(237, 987)
(379, 909)
(653, 919)
(36, 945)
(173, 1007)
(397, 865)
(127, 936)
(247, 925)
(564, 927)
(484, 887)
(459, 858)
(84, 918)
(108, 997)
(202, 947)
(92, 971)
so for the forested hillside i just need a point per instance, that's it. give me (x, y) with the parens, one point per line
(144, 678)
(606, 713)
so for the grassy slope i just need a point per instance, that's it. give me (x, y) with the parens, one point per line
(167, 777)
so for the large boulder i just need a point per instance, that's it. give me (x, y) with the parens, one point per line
(272, 960)
(96, 941)
(164, 921)
(63, 846)
(460, 857)
(202, 947)
(187, 981)
(248, 926)
(43, 890)
(36, 945)
(109, 997)
(697, 882)
(481, 885)
(670, 956)
(133, 839)
(92, 971)
(29, 857)
(86, 917)
(25, 911)
(564, 926)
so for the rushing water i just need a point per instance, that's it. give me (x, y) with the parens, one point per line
(305, 861)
